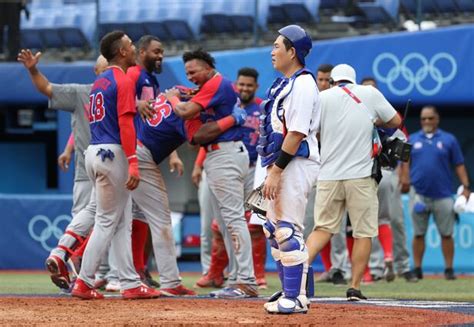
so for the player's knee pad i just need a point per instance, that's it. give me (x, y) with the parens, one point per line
(294, 258)
(291, 244)
(269, 231)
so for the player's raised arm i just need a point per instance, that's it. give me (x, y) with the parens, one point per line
(30, 61)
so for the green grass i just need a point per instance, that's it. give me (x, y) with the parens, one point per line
(427, 289)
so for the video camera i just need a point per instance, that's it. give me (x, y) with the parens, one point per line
(394, 148)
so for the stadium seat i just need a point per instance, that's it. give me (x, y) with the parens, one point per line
(51, 38)
(216, 24)
(447, 6)
(466, 5)
(31, 39)
(73, 37)
(157, 29)
(179, 30)
(242, 23)
(276, 15)
(134, 30)
(297, 13)
(105, 28)
(376, 14)
(332, 5)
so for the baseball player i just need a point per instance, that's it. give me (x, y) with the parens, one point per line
(246, 86)
(226, 165)
(112, 166)
(157, 138)
(289, 149)
(73, 98)
(149, 61)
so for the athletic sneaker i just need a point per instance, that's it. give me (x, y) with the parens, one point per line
(262, 283)
(389, 273)
(354, 295)
(58, 270)
(449, 274)
(237, 291)
(85, 292)
(140, 292)
(179, 290)
(207, 281)
(113, 286)
(410, 277)
(418, 272)
(338, 278)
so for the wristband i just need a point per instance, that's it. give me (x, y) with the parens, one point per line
(283, 159)
(174, 101)
(200, 157)
(132, 159)
(225, 123)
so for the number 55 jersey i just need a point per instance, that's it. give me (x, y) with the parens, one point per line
(164, 132)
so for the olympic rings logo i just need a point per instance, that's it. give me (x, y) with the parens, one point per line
(426, 70)
(41, 229)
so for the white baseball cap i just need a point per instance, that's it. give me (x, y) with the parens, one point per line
(343, 72)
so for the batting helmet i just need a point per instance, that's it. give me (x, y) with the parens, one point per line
(300, 40)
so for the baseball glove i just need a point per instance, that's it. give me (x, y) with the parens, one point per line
(256, 203)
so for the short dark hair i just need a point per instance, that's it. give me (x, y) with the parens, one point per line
(248, 71)
(287, 43)
(145, 41)
(110, 44)
(325, 68)
(199, 54)
(431, 107)
(368, 79)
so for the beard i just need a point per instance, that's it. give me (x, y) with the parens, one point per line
(246, 97)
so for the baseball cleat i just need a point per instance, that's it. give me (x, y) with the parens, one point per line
(113, 286)
(140, 292)
(288, 306)
(83, 291)
(207, 281)
(262, 283)
(179, 290)
(389, 273)
(58, 270)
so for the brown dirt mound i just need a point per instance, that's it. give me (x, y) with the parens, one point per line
(191, 312)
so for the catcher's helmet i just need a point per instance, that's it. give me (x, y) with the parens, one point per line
(300, 40)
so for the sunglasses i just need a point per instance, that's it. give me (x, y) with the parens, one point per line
(427, 118)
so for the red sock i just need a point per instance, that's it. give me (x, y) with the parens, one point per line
(139, 236)
(350, 246)
(326, 256)
(80, 250)
(386, 241)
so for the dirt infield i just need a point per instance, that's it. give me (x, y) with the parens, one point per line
(190, 312)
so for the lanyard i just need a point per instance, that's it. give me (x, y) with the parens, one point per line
(376, 142)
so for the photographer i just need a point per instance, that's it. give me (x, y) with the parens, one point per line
(348, 115)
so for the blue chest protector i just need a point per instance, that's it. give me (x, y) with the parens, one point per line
(271, 140)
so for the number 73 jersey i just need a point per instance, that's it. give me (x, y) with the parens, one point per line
(112, 95)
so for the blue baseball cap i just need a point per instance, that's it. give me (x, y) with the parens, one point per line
(300, 40)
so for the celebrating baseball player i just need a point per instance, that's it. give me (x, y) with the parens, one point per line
(75, 99)
(246, 85)
(289, 149)
(112, 165)
(226, 165)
